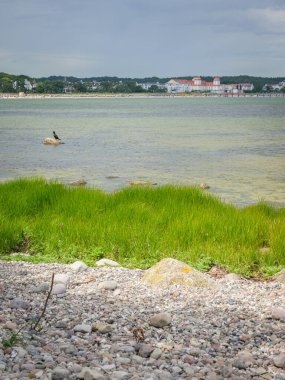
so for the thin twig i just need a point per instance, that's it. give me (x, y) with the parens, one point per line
(45, 305)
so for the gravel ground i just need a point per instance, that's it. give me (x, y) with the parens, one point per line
(101, 323)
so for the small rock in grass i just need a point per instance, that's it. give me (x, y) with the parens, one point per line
(280, 276)
(160, 320)
(103, 262)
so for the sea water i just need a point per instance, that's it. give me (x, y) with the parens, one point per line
(235, 145)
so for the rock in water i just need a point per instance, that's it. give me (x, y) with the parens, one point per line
(79, 182)
(51, 141)
(140, 182)
(170, 271)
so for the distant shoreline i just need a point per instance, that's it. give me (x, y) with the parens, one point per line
(136, 96)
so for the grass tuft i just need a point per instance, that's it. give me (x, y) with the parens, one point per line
(137, 227)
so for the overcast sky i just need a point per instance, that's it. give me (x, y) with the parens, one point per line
(139, 38)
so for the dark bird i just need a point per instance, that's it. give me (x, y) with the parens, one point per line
(55, 136)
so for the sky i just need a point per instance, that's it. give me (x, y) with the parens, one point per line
(142, 38)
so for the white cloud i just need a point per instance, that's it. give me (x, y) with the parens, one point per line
(273, 20)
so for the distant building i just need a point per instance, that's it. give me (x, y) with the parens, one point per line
(28, 85)
(147, 86)
(274, 87)
(197, 84)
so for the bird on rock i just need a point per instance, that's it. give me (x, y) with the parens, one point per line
(55, 136)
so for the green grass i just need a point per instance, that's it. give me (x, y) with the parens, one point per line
(138, 226)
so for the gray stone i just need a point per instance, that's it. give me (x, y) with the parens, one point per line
(145, 350)
(108, 285)
(243, 360)
(2, 366)
(58, 289)
(84, 328)
(91, 374)
(160, 320)
(108, 262)
(278, 313)
(19, 303)
(279, 361)
(120, 375)
(163, 375)
(61, 278)
(41, 288)
(60, 373)
(138, 359)
(124, 348)
(79, 266)
(156, 353)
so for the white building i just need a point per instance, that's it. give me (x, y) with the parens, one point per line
(147, 86)
(197, 84)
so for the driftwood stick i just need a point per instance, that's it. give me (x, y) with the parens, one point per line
(45, 305)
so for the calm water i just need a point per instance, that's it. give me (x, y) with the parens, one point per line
(237, 146)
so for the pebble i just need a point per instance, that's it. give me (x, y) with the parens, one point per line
(108, 285)
(278, 313)
(160, 320)
(234, 330)
(60, 373)
(58, 289)
(103, 262)
(78, 266)
(10, 326)
(83, 328)
(279, 361)
(91, 374)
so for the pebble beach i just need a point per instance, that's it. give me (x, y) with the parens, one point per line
(106, 323)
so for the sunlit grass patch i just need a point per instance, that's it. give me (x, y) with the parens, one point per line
(138, 226)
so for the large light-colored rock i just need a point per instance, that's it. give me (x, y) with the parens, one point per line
(280, 276)
(170, 271)
(51, 141)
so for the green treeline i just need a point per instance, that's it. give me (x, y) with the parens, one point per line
(58, 84)
(138, 226)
